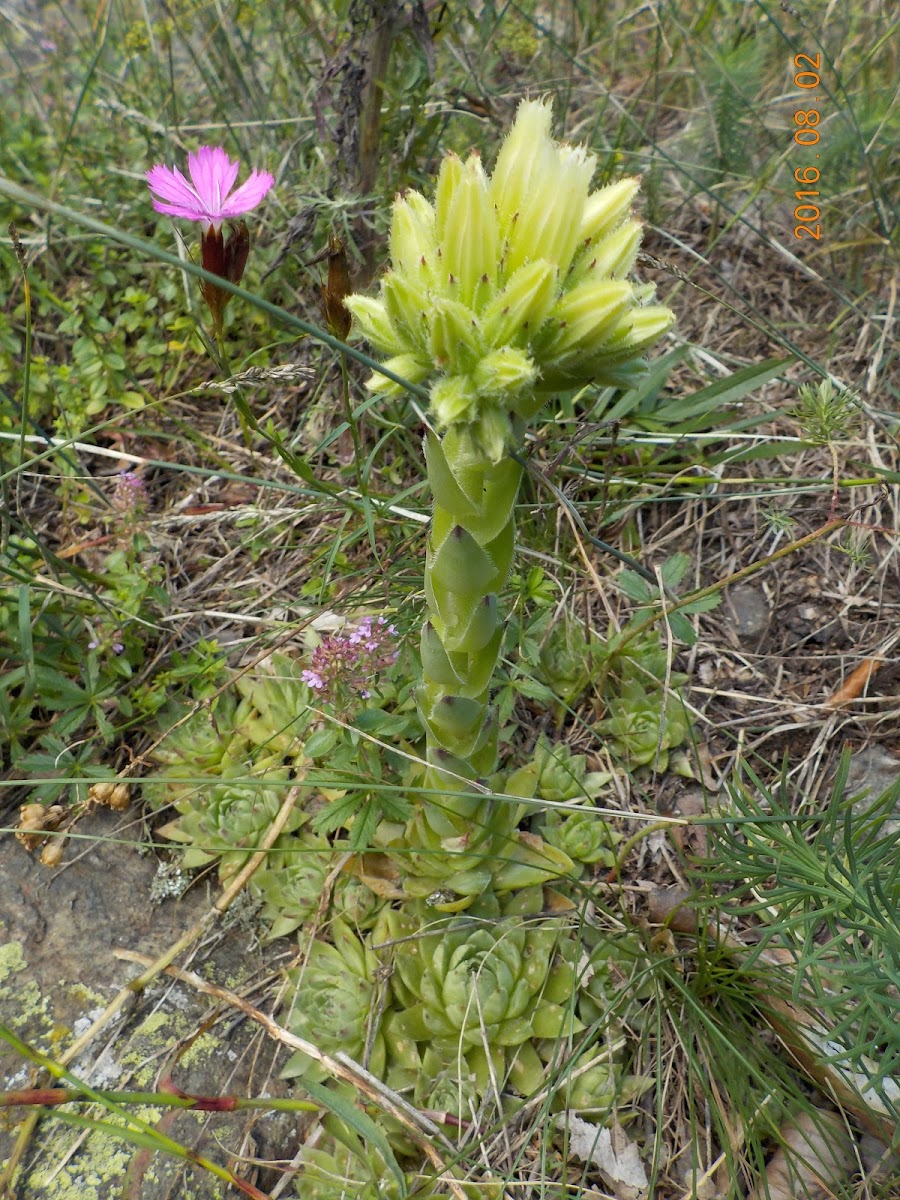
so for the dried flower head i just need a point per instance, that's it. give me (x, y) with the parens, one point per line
(52, 853)
(35, 820)
(110, 794)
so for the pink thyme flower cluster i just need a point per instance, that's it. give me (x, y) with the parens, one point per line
(130, 494)
(342, 665)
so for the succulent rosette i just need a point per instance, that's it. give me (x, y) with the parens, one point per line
(332, 1001)
(200, 744)
(227, 817)
(338, 1173)
(584, 836)
(354, 902)
(556, 774)
(644, 725)
(449, 869)
(275, 714)
(477, 993)
(292, 882)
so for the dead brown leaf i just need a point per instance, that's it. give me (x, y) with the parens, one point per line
(815, 1156)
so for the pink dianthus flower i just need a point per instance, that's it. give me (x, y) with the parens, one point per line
(207, 197)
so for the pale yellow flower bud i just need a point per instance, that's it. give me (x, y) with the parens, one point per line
(454, 398)
(455, 343)
(516, 314)
(524, 154)
(406, 303)
(469, 237)
(547, 226)
(611, 258)
(503, 371)
(413, 242)
(606, 208)
(407, 366)
(585, 314)
(374, 323)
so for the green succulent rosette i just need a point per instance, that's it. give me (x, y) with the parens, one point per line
(291, 883)
(644, 725)
(448, 869)
(228, 818)
(556, 774)
(275, 715)
(225, 772)
(332, 1001)
(505, 289)
(195, 748)
(472, 993)
(569, 660)
(354, 902)
(339, 1173)
(584, 836)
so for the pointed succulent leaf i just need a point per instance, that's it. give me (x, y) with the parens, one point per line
(460, 564)
(444, 485)
(481, 628)
(456, 722)
(528, 860)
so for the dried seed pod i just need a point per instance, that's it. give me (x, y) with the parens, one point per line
(110, 794)
(119, 797)
(52, 853)
(34, 820)
(337, 317)
(99, 793)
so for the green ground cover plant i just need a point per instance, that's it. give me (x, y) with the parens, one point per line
(425, 632)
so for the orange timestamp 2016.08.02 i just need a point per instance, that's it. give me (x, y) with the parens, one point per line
(807, 214)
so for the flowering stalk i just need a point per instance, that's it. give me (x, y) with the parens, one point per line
(505, 290)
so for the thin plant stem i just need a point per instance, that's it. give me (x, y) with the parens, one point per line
(361, 480)
(240, 403)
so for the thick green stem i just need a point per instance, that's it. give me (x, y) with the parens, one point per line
(470, 551)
